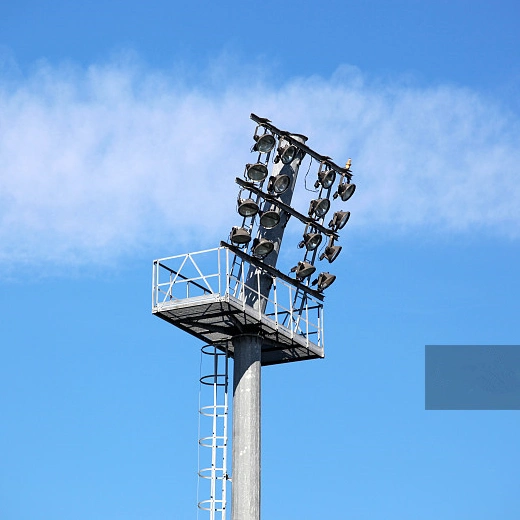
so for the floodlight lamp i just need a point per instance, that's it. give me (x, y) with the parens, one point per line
(345, 191)
(324, 280)
(311, 241)
(331, 251)
(303, 270)
(319, 207)
(247, 207)
(270, 218)
(286, 154)
(264, 143)
(326, 179)
(256, 172)
(239, 236)
(262, 247)
(339, 219)
(279, 183)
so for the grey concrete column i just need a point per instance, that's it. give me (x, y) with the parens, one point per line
(246, 428)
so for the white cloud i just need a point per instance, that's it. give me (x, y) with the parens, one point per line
(98, 163)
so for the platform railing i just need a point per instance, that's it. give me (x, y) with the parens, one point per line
(218, 272)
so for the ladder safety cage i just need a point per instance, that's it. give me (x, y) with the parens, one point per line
(213, 432)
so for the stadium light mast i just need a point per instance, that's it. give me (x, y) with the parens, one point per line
(248, 309)
(246, 440)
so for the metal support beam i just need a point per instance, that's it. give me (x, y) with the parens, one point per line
(272, 271)
(246, 428)
(288, 209)
(346, 172)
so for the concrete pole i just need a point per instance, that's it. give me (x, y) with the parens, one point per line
(247, 355)
(246, 428)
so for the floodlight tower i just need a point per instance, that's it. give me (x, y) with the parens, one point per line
(248, 309)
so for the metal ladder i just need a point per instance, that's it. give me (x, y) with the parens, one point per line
(213, 417)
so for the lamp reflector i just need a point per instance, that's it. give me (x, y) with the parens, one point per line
(247, 207)
(264, 143)
(326, 179)
(287, 153)
(262, 247)
(319, 207)
(311, 241)
(256, 172)
(239, 235)
(303, 270)
(324, 280)
(279, 184)
(270, 218)
(339, 219)
(331, 252)
(345, 191)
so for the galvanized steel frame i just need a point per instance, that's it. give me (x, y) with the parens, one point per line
(217, 280)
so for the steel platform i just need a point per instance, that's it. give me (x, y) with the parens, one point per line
(219, 312)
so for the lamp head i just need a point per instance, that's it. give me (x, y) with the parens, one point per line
(247, 207)
(345, 191)
(262, 247)
(286, 154)
(319, 207)
(270, 218)
(311, 241)
(264, 143)
(331, 251)
(303, 270)
(279, 183)
(256, 172)
(239, 236)
(324, 280)
(339, 219)
(326, 179)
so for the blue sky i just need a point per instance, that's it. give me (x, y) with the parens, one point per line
(122, 128)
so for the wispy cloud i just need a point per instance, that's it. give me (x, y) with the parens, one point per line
(98, 163)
